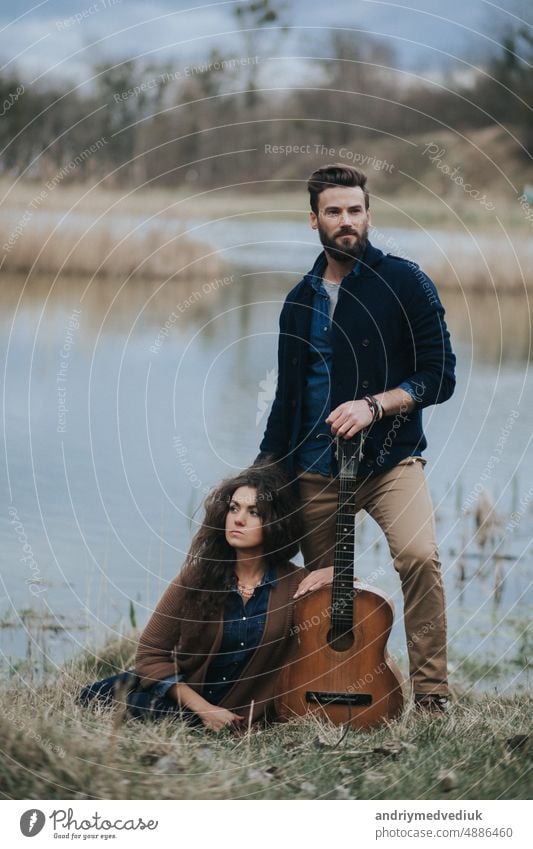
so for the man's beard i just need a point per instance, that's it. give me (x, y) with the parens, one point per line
(345, 254)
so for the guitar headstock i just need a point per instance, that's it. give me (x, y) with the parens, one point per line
(349, 453)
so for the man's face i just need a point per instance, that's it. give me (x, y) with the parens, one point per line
(342, 222)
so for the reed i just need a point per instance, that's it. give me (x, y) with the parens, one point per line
(104, 249)
(497, 270)
(101, 232)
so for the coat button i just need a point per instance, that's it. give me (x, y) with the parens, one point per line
(365, 343)
(293, 402)
(365, 384)
(294, 361)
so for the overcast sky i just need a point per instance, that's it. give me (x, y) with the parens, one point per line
(44, 40)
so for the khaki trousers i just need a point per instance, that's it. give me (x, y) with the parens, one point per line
(400, 502)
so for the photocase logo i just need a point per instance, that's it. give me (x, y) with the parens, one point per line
(32, 822)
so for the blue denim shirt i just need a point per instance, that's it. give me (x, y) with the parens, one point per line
(315, 451)
(243, 629)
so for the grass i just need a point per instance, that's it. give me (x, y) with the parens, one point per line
(114, 247)
(102, 249)
(289, 202)
(54, 749)
(99, 235)
(494, 274)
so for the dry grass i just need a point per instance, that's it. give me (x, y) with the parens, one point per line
(53, 748)
(105, 250)
(498, 271)
(174, 204)
(101, 233)
(283, 199)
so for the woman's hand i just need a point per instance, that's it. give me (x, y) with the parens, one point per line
(213, 717)
(217, 718)
(318, 578)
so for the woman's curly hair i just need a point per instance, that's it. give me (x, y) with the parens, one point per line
(207, 575)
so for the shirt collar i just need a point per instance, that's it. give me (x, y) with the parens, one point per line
(315, 275)
(270, 576)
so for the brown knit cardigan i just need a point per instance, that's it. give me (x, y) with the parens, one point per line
(166, 647)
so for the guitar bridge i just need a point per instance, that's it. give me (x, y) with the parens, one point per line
(318, 697)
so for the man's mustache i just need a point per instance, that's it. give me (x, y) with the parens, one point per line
(347, 233)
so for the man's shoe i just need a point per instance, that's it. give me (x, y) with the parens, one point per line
(431, 703)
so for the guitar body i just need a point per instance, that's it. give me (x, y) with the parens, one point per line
(355, 683)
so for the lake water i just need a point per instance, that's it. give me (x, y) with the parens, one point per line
(118, 418)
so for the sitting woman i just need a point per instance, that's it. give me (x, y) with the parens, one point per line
(218, 637)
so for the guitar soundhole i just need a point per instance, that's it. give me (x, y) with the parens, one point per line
(340, 640)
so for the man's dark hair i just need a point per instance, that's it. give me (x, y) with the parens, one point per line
(335, 175)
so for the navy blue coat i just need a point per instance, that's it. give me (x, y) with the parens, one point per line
(388, 330)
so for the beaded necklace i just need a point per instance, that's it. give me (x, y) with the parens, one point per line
(247, 591)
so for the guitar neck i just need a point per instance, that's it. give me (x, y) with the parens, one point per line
(349, 454)
(343, 563)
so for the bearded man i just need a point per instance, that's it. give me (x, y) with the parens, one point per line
(363, 345)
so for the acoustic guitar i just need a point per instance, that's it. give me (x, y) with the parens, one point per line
(338, 666)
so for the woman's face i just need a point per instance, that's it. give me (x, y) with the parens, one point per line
(244, 526)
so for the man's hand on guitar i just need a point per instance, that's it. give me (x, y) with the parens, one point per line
(318, 578)
(349, 418)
